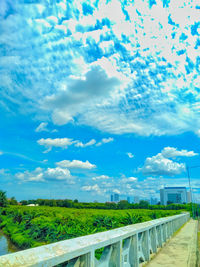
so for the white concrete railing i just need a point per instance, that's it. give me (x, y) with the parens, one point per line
(123, 247)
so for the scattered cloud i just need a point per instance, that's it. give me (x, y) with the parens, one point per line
(28, 176)
(101, 178)
(90, 143)
(57, 142)
(66, 142)
(129, 179)
(172, 152)
(76, 164)
(130, 155)
(123, 74)
(105, 141)
(42, 127)
(93, 188)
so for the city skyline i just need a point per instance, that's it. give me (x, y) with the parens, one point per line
(99, 97)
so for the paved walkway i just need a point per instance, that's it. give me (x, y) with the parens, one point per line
(180, 250)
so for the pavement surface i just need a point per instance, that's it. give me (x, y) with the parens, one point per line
(180, 250)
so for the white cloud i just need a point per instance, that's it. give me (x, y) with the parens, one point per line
(172, 152)
(90, 143)
(57, 142)
(42, 127)
(129, 179)
(27, 176)
(130, 155)
(76, 164)
(42, 175)
(161, 164)
(90, 90)
(93, 188)
(158, 165)
(105, 141)
(1, 153)
(156, 52)
(101, 178)
(117, 191)
(57, 173)
(65, 142)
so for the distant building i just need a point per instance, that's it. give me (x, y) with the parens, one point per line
(153, 201)
(136, 200)
(114, 197)
(178, 195)
(111, 198)
(129, 199)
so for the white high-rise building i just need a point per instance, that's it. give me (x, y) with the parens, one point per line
(136, 199)
(114, 197)
(178, 195)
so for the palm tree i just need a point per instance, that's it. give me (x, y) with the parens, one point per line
(3, 199)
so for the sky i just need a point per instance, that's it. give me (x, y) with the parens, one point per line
(99, 97)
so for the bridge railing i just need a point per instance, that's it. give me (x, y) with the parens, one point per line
(126, 246)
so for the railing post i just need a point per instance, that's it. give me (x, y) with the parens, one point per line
(92, 258)
(130, 252)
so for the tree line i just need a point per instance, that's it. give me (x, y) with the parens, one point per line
(68, 203)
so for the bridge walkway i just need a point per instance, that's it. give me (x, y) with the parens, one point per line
(180, 250)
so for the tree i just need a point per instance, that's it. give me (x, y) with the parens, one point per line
(143, 204)
(24, 202)
(169, 202)
(12, 201)
(123, 204)
(3, 199)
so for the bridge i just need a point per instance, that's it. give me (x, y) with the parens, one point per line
(129, 246)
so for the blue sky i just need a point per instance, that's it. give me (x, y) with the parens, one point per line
(98, 97)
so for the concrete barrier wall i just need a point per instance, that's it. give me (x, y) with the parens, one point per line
(123, 247)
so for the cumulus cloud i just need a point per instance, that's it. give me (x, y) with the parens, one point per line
(57, 173)
(42, 127)
(42, 175)
(130, 155)
(158, 165)
(161, 164)
(36, 175)
(76, 164)
(172, 152)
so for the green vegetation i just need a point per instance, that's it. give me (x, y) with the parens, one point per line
(123, 204)
(33, 226)
(3, 199)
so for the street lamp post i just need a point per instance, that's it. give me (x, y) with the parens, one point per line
(188, 174)
(192, 198)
